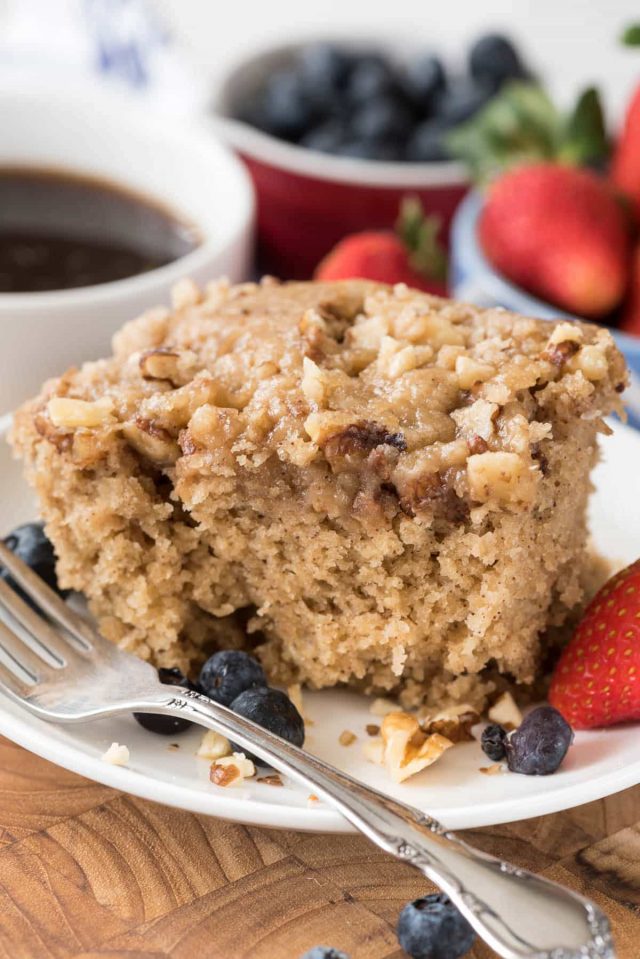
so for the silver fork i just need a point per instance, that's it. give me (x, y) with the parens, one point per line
(61, 670)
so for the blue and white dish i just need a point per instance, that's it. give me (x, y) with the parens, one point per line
(472, 278)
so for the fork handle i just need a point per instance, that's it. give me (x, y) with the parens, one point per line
(521, 916)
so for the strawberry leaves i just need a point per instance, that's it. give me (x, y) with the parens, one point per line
(420, 235)
(522, 125)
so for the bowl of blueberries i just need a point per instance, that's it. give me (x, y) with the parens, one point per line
(335, 133)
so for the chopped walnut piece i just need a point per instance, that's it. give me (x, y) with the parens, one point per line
(373, 750)
(470, 372)
(159, 364)
(213, 746)
(68, 413)
(151, 441)
(592, 361)
(346, 737)
(116, 755)
(231, 770)
(558, 353)
(274, 779)
(505, 712)
(566, 332)
(477, 444)
(503, 477)
(407, 749)
(454, 723)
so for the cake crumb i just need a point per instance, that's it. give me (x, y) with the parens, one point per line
(346, 737)
(116, 755)
(381, 707)
(372, 729)
(294, 692)
(493, 770)
(173, 746)
(312, 799)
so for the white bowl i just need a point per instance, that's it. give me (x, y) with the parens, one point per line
(183, 167)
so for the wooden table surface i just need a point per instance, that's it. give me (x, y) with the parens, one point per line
(88, 872)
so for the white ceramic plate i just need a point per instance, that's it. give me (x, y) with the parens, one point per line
(598, 764)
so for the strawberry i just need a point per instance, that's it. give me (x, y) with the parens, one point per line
(625, 165)
(597, 679)
(630, 316)
(561, 233)
(410, 255)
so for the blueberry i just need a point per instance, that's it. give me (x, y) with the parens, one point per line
(228, 673)
(166, 725)
(324, 952)
(494, 59)
(461, 100)
(423, 80)
(31, 545)
(427, 143)
(432, 928)
(384, 120)
(324, 66)
(328, 137)
(372, 76)
(540, 743)
(493, 742)
(273, 710)
(284, 109)
(370, 150)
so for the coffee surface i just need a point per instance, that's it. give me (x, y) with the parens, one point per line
(59, 231)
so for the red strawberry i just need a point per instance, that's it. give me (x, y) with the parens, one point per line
(411, 255)
(625, 165)
(630, 316)
(597, 679)
(561, 233)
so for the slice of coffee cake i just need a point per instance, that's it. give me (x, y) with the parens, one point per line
(380, 487)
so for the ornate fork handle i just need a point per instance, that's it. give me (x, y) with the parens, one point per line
(520, 915)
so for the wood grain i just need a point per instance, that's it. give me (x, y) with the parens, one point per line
(89, 873)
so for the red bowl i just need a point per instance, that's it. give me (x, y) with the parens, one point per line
(308, 200)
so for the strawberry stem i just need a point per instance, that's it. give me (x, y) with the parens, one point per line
(420, 235)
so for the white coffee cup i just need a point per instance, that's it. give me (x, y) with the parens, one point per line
(181, 165)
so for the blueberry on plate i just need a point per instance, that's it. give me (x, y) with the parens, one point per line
(423, 80)
(493, 741)
(166, 725)
(324, 952)
(540, 742)
(494, 59)
(228, 673)
(273, 710)
(427, 143)
(461, 100)
(30, 544)
(432, 928)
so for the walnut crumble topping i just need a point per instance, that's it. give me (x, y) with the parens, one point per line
(387, 488)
